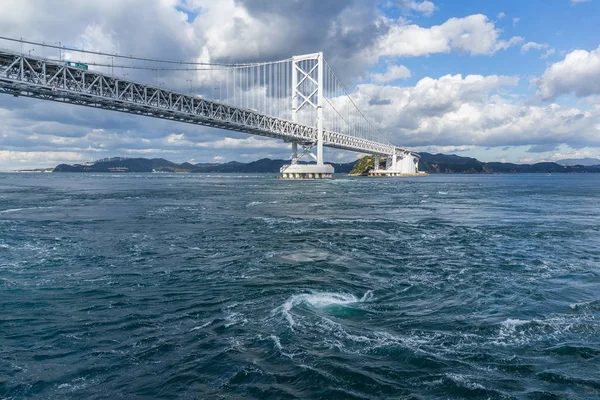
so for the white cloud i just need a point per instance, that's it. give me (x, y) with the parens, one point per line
(444, 149)
(472, 110)
(39, 159)
(252, 142)
(425, 7)
(564, 152)
(505, 44)
(473, 35)
(578, 73)
(515, 20)
(548, 53)
(393, 73)
(501, 15)
(533, 45)
(538, 46)
(574, 2)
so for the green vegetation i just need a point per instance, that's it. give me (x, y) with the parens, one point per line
(363, 166)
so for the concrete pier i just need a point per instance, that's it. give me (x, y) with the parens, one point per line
(307, 171)
(385, 173)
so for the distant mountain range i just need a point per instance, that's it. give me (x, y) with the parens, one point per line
(442, 163)
(264, 165)
(579, 161)
(431, 163)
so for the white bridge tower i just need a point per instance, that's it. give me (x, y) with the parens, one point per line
(307, 107)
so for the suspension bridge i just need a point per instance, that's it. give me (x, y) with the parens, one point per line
(299, 100)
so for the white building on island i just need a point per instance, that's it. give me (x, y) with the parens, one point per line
(402, 163)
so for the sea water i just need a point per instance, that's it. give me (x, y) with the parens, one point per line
(245, 286)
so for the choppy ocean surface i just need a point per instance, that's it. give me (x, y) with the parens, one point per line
(232, 287)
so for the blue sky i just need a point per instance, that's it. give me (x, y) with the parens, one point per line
(561, 24)
(514, 81)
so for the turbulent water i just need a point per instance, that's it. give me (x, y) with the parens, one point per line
(229, 286)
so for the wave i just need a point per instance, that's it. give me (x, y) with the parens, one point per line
(593, 305)
(12, 210)
(319, 300)
(554, 328)
(303, 256)
(201, 326)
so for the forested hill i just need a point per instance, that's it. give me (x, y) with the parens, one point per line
(264, 165)
(442, 163)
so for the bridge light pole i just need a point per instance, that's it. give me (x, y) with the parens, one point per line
(30, 52)
(59, 50)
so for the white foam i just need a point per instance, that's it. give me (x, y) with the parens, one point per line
(513, 323)
(276, 221)
(318, 300)
(305, 256)
(440, 192)
(10, 210)
(509, 333)
(75, 384)
(276, 341)
(519, 332)
(584, 305)
(465, 381)
(71, 336)
(200, 326)
(367, 296)
(234, 319)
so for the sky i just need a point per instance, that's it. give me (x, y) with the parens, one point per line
(513, 81)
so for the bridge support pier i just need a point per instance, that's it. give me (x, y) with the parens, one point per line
(295, 170)
(307, 171)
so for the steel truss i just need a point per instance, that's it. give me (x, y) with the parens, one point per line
(22, 75)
